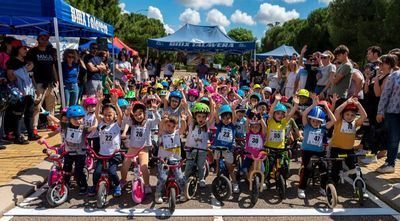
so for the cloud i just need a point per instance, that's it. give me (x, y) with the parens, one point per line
(293, 1)
(190, 16)
(222, 29)
(122, 7)
(205, 4)
(168, 29)
(268, 13)
(153, 12)
(215, 17)
(240, 17)
(326, 2)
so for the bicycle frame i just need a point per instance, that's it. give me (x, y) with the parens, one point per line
(357, 170)
(171, 181)
(256, 169)
(279, 157)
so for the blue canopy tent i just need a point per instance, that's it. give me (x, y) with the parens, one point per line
(196, 38)
(278, 52)
(110, 47)
(30, 17)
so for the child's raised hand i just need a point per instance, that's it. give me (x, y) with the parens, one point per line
(278, 97)
(315, 98)
(114, 98)
(295, 99)
(154, 104)
(335, 97)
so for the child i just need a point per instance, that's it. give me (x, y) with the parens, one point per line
(240, 121)
(172, 105)
(109, 129)
(344, 133)
(314, 135)
(90, 120)
(170, 148)
(193, 95)
(226, 133)
(140, 137)
(198, 138)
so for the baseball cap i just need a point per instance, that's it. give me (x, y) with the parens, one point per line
(268, 89)
(18, 43)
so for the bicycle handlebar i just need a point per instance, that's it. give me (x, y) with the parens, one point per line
(130, 156)
(180, 164)
(356, 155)
(190, 149)
(102, 157)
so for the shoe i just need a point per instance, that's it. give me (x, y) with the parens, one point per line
(157, 198)
(52, 127)
(35, 132)
(147, 189)
(202, 183)
(265, 187)
(83, 191)
(21, 140)
(34, 138)
(322, 192)
(182, 198)
(117, 191)
(92, 191)
(10, 136)
(369, 160)
(235, 187)
(386, 169)
(365, 195)
(301, 194)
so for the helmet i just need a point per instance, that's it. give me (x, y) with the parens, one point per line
(262, 103)
(90, 101)
(176, 94)
(205, 100)
(317, 114)
(245, 88)
(163, 93)
(210, 89)
(164, 84)
(241, 93)
(122, 103)
(240, 107)
(158, 86)
(268, 89)
(284, 99)
(138, 105)
(256, 95)
(193, 92)
(303, 92)
(225, 109)
(146, 84)
(200, 108)
(217, 98)
(75, 111)
(350, 107)
(206, 83)
(222, 79)
(256, 86)
(117, 91)
(130, 95)
(280, 107)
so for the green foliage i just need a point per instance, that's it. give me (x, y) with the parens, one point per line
(241, 34)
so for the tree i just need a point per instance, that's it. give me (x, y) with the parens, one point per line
(241, 34)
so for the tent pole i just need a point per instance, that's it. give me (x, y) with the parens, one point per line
(242, 59)
(113, 58)
(60, 74)
(147, 53)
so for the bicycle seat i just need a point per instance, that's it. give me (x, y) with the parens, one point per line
(172, 161)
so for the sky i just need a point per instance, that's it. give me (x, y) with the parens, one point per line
(227, 14)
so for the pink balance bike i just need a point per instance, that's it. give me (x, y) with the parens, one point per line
(138, 193)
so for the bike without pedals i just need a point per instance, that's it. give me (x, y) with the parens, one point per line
(137, 182)
(221, 185)
(193, 179)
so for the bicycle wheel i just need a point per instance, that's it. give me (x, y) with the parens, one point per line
(101, 195)
(255, 192)
(331, 195)
(206, 169)
(360, 191)
(191, 187)
(137, 191)
(221, 188)
(172, 200)
(281, 186)
(57, 194)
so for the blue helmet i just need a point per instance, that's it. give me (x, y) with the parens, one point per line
(122, 103)
(164, 84)
(225, 109)
(176, 94)
(317, 114)
(240, 107)
(75, 111)
(241, 93)
(256, 95)
(245, 88)
(280, 107)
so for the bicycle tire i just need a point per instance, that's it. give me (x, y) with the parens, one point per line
(221, 188)
(101, 195)
(331, 195)
(255, 192)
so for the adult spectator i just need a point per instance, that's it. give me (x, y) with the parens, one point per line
(136, 69)
(356, 84)
(389, 109)
(256, 76)
(212, 71)
(82, 77)
(144, 74)
(70, 70)
(169, 69)
(274, 75)
(341, 81)
(202, 69)
(157, 66)
(122, 68)
(291, 75)
(43, 58)
(325, 73)
(151, 69)
(18, 72)
(312, 67)
(94, 68)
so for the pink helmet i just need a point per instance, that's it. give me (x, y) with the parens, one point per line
(210, 89)
(64, 110)
(217, 98)
(193, 92)
(90, 101)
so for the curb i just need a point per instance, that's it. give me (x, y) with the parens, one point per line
(383, 190)
(21, 186)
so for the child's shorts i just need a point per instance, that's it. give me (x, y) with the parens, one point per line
(228, 156)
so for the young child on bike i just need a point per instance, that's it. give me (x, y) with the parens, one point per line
(344, 133)
(140, 137)
(197, 137)
(172, 105)
(90, 119)
(225, 137)
(170, 149)
(240, 124)
(55, 120)
(109, 129)
(315, 130)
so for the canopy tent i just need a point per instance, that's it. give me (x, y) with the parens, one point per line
(30, 17)
(278, 52)
(196, 38)
(118, 46)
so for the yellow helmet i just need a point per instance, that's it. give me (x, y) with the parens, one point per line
(257, 86)
(159, 86)
(303, 92)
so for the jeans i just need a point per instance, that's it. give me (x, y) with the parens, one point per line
(81, 90)
(112, 170)
(80, 176)
(92, 86)
(308, 170)
(71, 94)
(337, 166)
(163, 175)
(392, 122)
(190, 163)
(24, 109)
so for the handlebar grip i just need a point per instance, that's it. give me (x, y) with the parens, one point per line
(369, 155)
(342, 155)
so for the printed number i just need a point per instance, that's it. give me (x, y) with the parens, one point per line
(277, 135)
(139, 133)
(254, 140)
(317, 138)
(72, 135)
(108, 137)
(350, 127)
(226, 134)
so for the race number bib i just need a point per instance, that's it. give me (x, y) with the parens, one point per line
(169, 141)
(226, 135)
(106, 139)
(315, 138)
(255, 141)
(348, 128)
(138, 133)
(276, 136)
(74, 136)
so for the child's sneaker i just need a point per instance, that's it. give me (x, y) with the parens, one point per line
(301, 194)
(92, 191)
(202, 183)
(83, 191)
(117, 191)
(235, 187)
(182, 198)
(158, 198)
(322, 192)
(147, 189)
(385, 169)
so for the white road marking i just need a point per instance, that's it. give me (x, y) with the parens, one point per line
(34, 196)
(203, 212)
(216, 205)
(6, 218)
